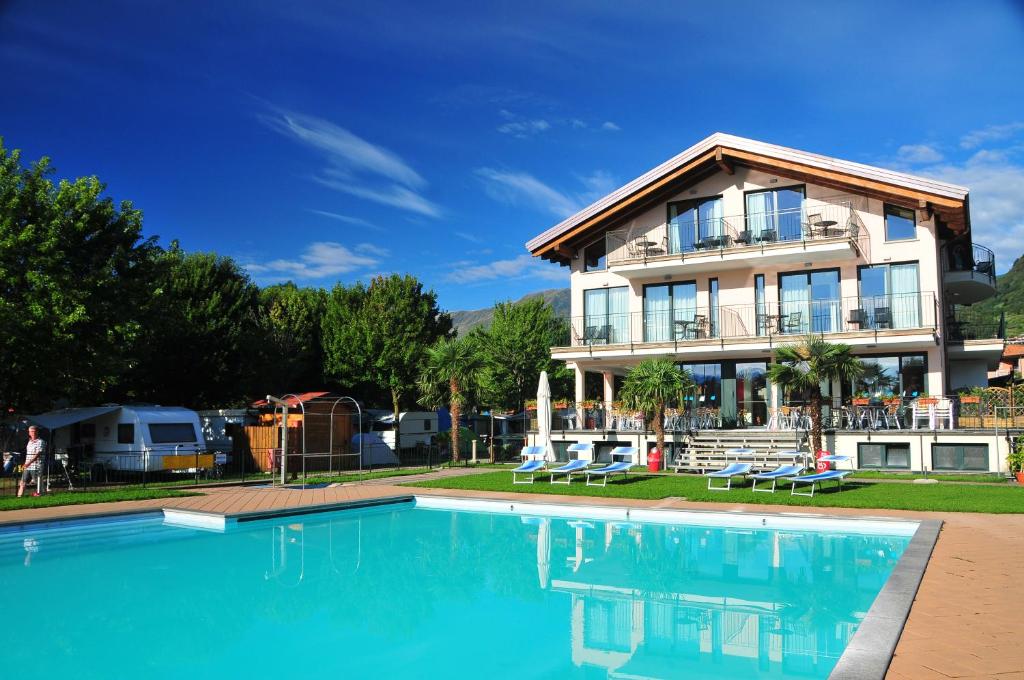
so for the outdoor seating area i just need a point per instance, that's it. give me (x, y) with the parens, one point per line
(948, 412)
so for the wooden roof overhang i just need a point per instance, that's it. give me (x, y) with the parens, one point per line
(952, 215)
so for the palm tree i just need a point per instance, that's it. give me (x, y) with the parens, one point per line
(450, 374)
(650, 386)
(806, 365)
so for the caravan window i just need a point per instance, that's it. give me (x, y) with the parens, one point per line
(126, 433)
(172, 433)
(426, 425)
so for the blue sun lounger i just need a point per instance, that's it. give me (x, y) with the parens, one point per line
(586, 451)
(727, 473)
(775, 475)
(831, 475)
(626, 452)
(533, 462)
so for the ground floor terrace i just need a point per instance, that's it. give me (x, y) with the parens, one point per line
(961, 624)
(959, 451)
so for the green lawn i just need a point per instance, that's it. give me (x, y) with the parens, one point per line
(980, 478)
(84, 497)
(940, 497)
(355, 476)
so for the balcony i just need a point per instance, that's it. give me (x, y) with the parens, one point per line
(821, 230)
(969, 273)
(865, 318)
(974, 334)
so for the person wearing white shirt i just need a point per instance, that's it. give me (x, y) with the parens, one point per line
(34, 453)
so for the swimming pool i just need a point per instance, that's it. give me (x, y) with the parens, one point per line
(445, 589)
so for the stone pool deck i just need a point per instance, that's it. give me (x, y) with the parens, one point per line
(965, 622)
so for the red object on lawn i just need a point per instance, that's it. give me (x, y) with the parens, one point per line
(822, 465)
(654, 461)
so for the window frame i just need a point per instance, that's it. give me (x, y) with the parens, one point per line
(885, 456)
(802, 188)
(960, 446)
(891, 209)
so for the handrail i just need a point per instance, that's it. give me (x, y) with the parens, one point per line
(771, 319)
(813, 221)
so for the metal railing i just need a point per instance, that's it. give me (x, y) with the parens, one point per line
(965, 323)
(978, 260)
(796, 317)
(814, 221)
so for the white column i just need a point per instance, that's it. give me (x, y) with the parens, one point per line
(609, 387)
(579, 383)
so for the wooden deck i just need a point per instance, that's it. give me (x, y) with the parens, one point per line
(965, 623)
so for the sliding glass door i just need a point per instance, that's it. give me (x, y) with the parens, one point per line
(693, 224)
(776, 214)
(606, 316)
(670, 312)
(809, 302)
(890, 296)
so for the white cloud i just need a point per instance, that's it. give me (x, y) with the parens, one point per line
(919, 153)
(992, 133)
(525, 128)
(577, 123)
(516, 188)
(355, 166)
(393, 195)
(598, 183)
(320, 260)
(472, 238)
(610, 126)
(524, 266)
(348, 219)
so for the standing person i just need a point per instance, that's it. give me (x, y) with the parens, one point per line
(34, 453)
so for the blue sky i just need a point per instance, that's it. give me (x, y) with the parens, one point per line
(326, 141)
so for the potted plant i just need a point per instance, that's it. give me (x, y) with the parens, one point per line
(1015, 461)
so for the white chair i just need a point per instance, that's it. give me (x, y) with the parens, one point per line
(942, 415)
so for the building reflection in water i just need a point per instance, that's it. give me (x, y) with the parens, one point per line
(651, 600)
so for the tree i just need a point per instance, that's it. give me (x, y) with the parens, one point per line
(516, 348)
(379, 335)
(650, 386)
(199, 339)
(806, 365)
(74, 271)
(292, 350)
(450, 374)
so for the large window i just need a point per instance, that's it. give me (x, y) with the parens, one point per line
(694, 224)
(960, 456)
(708, 379)
(606, 315)
(594, 256)
(125, 433)
(888, 376)
(670, 312)
(809, 301)
(172, 433)
(890, 297)
(900, 223)
(883, 455)
(775, 214)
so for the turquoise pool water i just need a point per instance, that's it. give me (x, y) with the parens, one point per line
(403, 592)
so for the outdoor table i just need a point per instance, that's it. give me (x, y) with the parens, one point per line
(773, 323)
(823, 228)
(684, 327)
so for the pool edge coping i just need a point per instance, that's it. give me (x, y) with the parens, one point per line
(870, 651)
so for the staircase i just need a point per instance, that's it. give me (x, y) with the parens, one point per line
(706, 450)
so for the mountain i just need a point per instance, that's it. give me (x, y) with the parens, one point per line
(1009, 299)
(465, 320)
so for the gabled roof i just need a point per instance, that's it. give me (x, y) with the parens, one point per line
(722, 151)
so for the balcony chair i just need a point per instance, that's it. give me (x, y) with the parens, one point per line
(700, 326)
(883, 317)
(813, 222)
(745, 237)
(767, 236)
(859, 318)
(594, 335)
(793, 323)
(892, 416)
(923, 410)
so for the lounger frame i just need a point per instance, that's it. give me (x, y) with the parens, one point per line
(534, 471)
(568, 473)
(797, 480)
(605, 474)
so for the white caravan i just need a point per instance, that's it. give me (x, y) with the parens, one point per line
(417, 427)
(128, 438)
